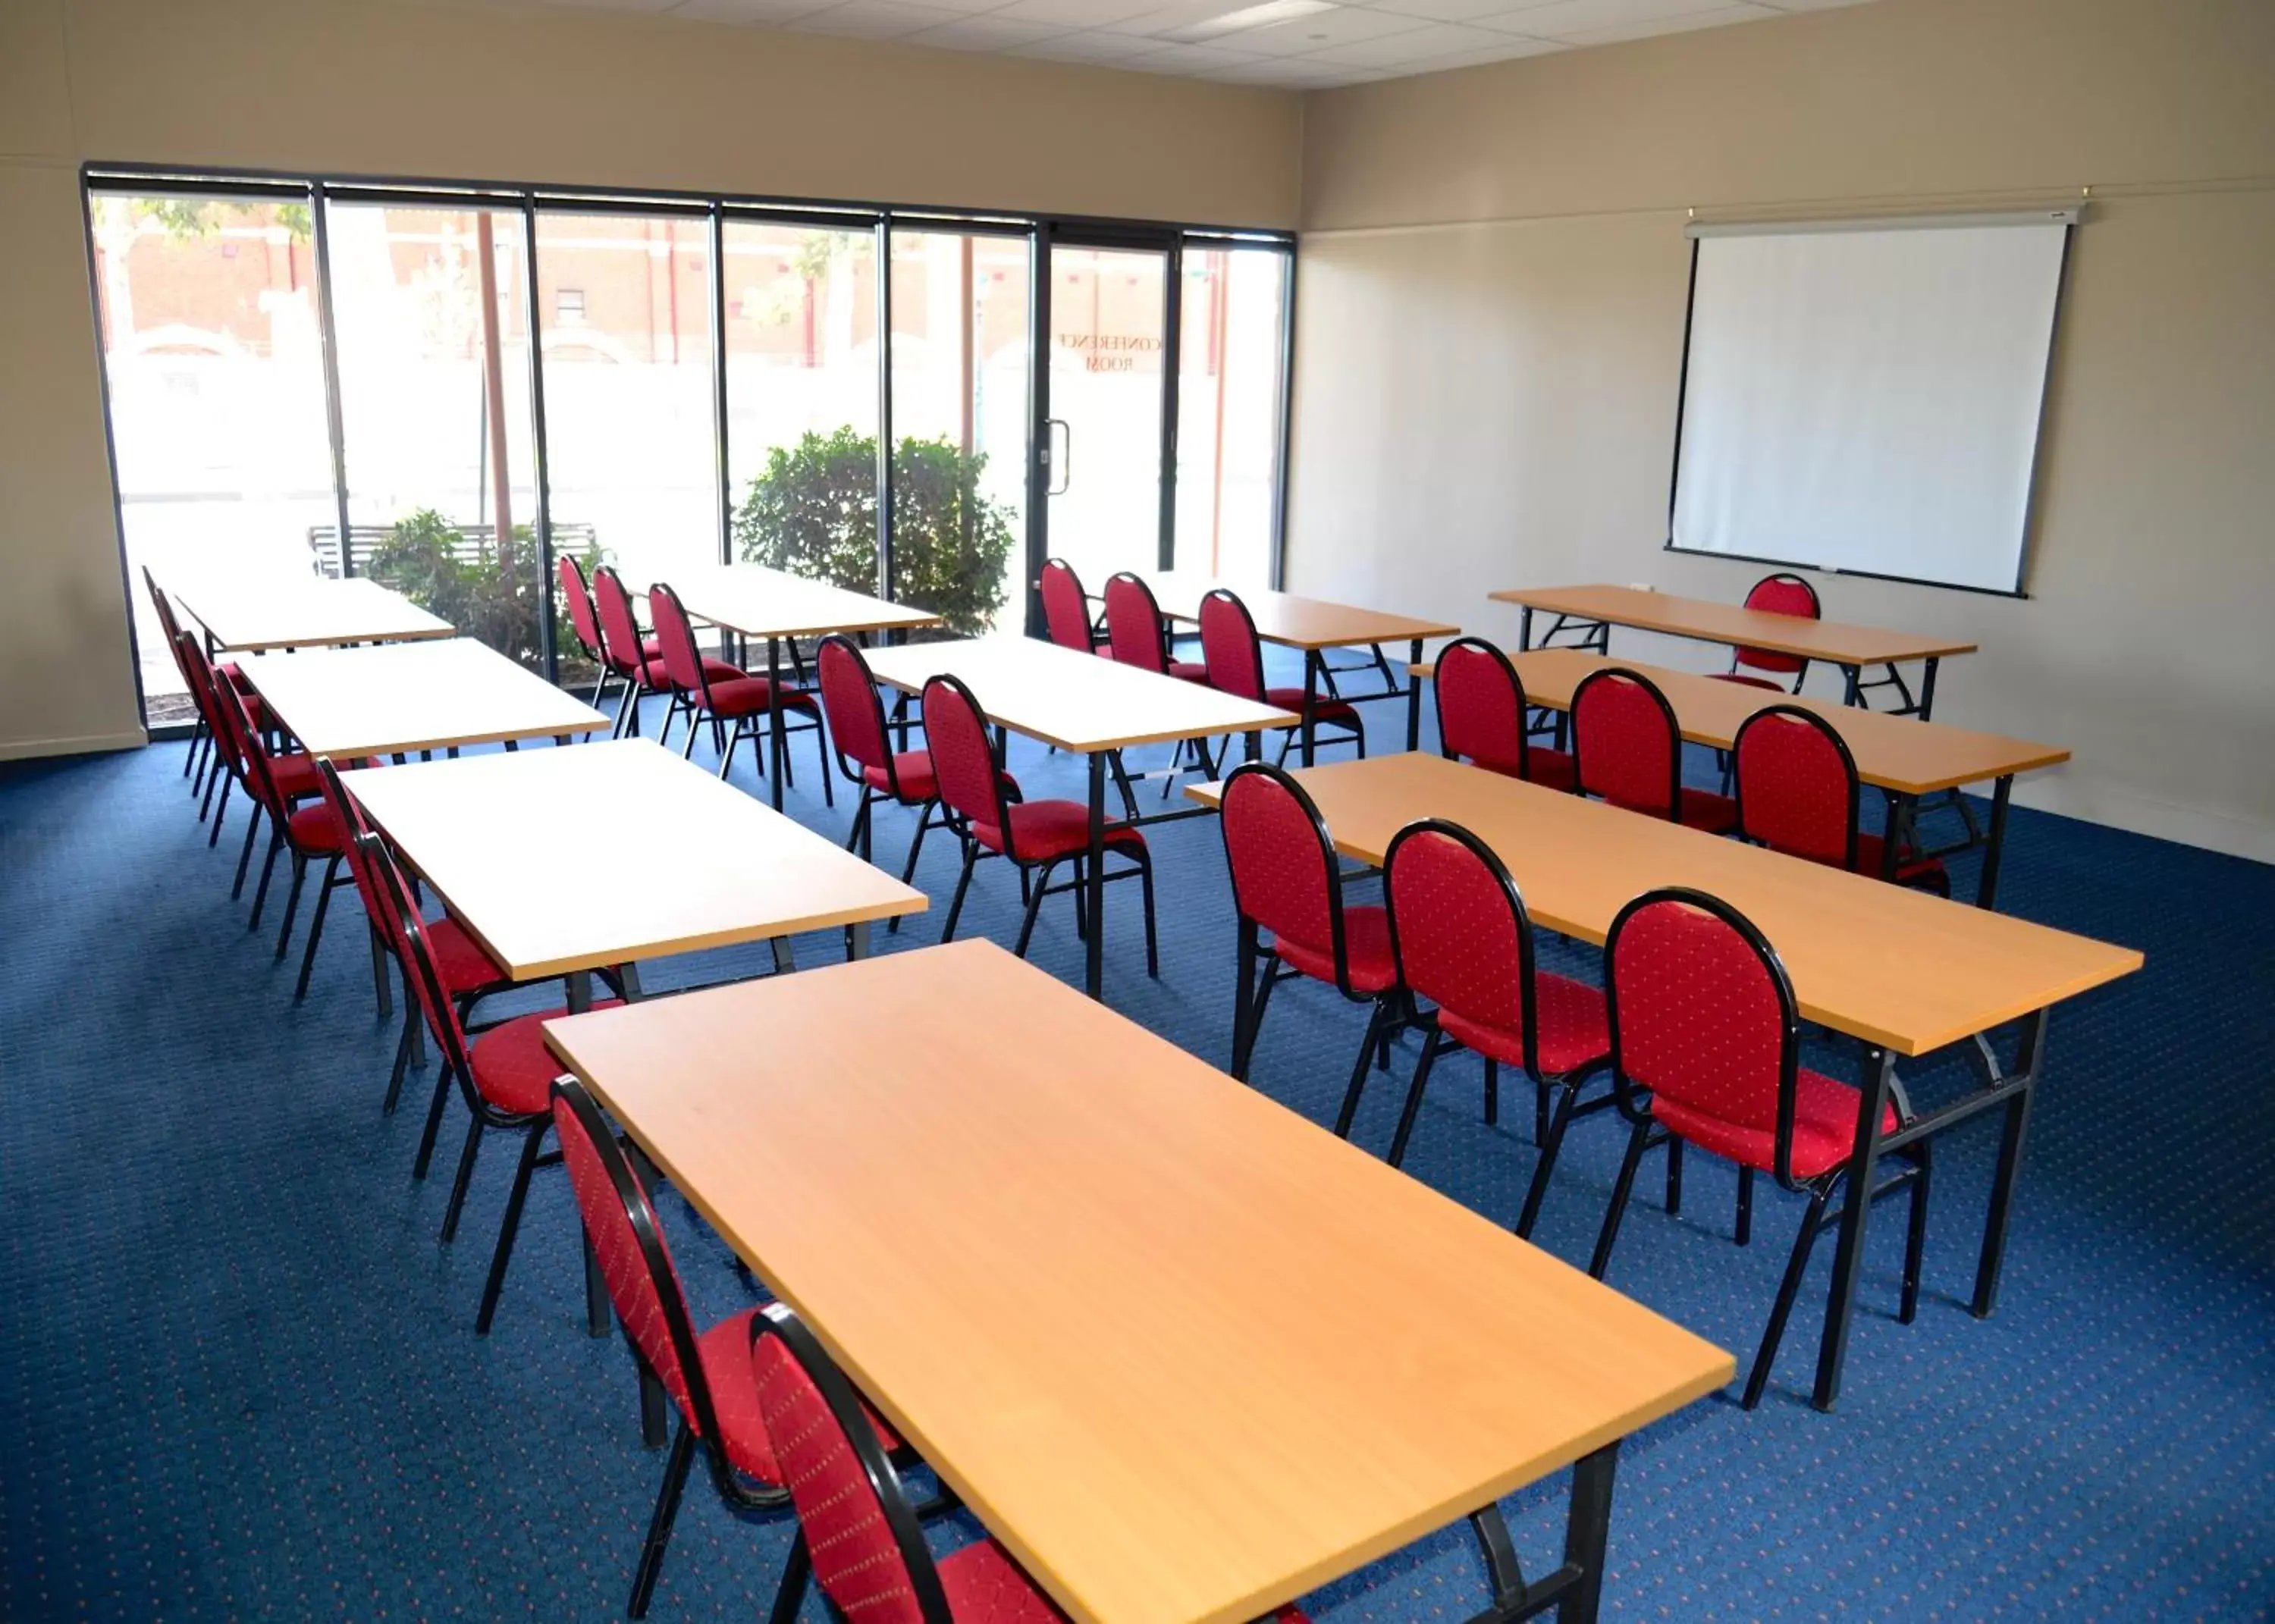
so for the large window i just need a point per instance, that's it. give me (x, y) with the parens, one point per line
(449, 388)
(215, 363)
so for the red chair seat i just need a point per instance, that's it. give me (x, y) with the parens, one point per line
(653, 679)
(1552, 769)
(294, 774)
(1703, 808)
(465, 966)
(1575, 1029)
(1189, 671)
(1366, 942)
(745, 696)
(314, 829)
(1323, 709)
(514, 1071)
(983, 1585)
(1043, 830)
(1911, 869)
(1750, 682)
(918, 783)
(1823, 1128)
(725, 1352)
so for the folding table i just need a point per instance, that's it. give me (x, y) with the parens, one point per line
(1185, 1352)
(1085, 706)
(1903, 972)
(248, 613)
(395, 698)
(751, 600)
(1903, 758)
(1315, 626)
(1591, 611)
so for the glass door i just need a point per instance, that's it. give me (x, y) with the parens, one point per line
(1105, 447)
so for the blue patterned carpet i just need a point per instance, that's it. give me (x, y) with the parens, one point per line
(237, 1376)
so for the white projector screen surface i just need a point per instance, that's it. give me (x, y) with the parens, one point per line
(1867, 398)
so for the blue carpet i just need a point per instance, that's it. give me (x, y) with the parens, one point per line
(239, 1378)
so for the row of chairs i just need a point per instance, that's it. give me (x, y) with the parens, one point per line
(1697, 1022)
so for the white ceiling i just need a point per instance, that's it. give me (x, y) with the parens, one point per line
(1345, 43)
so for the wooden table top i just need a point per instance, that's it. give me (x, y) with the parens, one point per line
(1077, 701)
(567, 859)
(1902, 754)
(1725, 622)
(245, 614)
(760, 602)
(427, 695)
(1188, 1355)
(1293, 622)
(1883, 963)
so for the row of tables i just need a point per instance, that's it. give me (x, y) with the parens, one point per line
(1106, 1288)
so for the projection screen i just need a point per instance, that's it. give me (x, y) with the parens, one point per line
(1865, 395)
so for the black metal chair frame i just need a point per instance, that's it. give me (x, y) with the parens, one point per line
(608, 674)
(749, 725)
(1350, 730)
(1892, 855)
(1562, 1089)
(204, 679)
(1035, 873)
(1390, 1012)
(1645, 1133)
(266, 797)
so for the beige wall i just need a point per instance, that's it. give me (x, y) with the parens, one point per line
(1490, 331)
(354, 86)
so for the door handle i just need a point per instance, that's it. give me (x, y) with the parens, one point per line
(1058, 455)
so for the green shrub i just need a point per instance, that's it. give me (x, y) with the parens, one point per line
(813, 512)
(438, 567)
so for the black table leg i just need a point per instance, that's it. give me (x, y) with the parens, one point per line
(1587, 1533)
(1856, 1207)
(1927, 690)
(1413, 696)
(1310, 693)
(1891, 830)
(2011, 1134)
(774, 735)
(1094, 881)
(1986, 887)
(1245, 995)
(1524, 629)
(1853, 676)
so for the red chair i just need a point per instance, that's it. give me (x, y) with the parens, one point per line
(1461, 938)
(1137, 634)
(200, 734)
(708, 1376)
(469, 974)
(865, 754)
(1775, 594)
(1035, 835)
(1066, 609)
(635, 660)
(1285, 880)
(504, 1074)
(577, 593)
(226, 766)
(1481, 712)
(1626, 749)
(1706, 1051)
(734, 702)
(857, 1532)
(1798, 793)
(1235, 656)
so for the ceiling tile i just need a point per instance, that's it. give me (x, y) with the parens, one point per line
(1410, 45)
(874, 19)
(1157, 19)
(1091, 46)
(1712, 16)
(1558, 19)
(989, 33)
(1511, 47)
(1074, 14)
(1442, 10)
(1195, 59)
(1346, 25)
(1294, 73)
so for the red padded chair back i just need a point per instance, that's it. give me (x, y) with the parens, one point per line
(1458, 929)
(1066, 611)
(236, 714)
(1133, 624)
(849, 698)
(167, 624)
(1283, 867)
(1702, 1015)
(962, 759)
(1229, 648)
(347, 812)
(1624, 742)
(1796, 785)
(206, 693)
(578, 597)
(675, 636)
(868, 1551)
(406, 932)
(620, 638)
(1779, 594)
(643, 1281)
(1480, 706)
